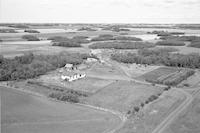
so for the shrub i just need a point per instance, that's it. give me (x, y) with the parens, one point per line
(31, 31)
(152, 98)
(64, 96)
(30, 38)
(136, 108)
(170, 43)
(142, 104)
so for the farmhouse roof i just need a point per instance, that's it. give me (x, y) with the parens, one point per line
(69, 65)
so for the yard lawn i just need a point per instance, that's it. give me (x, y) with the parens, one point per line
(25, 113)
(106, 71)
(135, 70)
(122, 95)
(87, 84)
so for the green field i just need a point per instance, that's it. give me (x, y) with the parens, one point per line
(122, 95)
(25, 113)
(188, 121)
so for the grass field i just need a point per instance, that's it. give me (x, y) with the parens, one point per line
(189, 120)
(24, 113)
(155, 74)
(192, 82)
(122, 95)
(16, 48)
(151, 115)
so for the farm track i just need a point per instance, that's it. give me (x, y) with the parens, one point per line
(122, 117)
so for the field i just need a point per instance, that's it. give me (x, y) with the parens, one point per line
(155, 74)
(12, 49)
(122, 95)
(167, 75)
(192, 82)
(106, 71)
(153, 114)
(26, 113)
(189, 120)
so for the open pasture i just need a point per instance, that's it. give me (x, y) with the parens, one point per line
(155, 74)
(105, 71)
(22, 113)
(189, 120)
(168, 76)
(122, 95)
(153, 114)
(12, 49)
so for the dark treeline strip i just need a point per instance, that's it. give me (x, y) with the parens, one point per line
(7, 31)
(30, 38)
(30, 66)
(31, 31)
(121, 45)
(146, 56)
(76, 41)
(170, 43)
(107, 37)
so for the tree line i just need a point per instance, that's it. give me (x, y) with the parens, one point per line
(30, 66)
(147, 56)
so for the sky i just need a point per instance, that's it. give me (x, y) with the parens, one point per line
(100, 11)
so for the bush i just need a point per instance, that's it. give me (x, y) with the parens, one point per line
(152, 98)
(67, 95)
(121, 45)
(170, 43)
(30, 38)
(31, 31)
(64, 96)
(136, 109)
